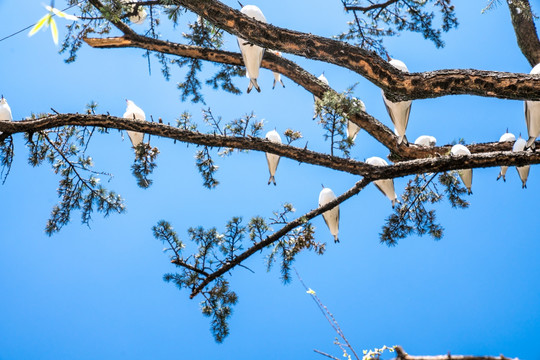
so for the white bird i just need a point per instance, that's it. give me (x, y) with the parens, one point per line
(426, 141)
(532, 116)
(352, 128)
(5, 110)
(139, 17)
(523, 171)
(272, 159)
(465, 175)
(386, 186)
(399, 111)
(252, 54)
(331, 217)
(277, 76)
(316, 98)
(134, 112)
(505, 137)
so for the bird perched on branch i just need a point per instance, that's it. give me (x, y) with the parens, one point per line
(5, 110)
(252, 54)
(331, 217)
(316, 98)
(399, 111)
(505, 137)
(352, 128)
(523, 171)
(133, 112)
(272, 159)
(277, 76)
(465, 175)
(386, 186)
(532, 116)
(426, 141)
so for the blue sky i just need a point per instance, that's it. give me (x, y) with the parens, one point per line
(97, 292)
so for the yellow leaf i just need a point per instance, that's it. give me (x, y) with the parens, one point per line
(61, 13)
(311, 292)
(39, 25)
(54, 31)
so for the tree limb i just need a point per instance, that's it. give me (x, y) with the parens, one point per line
(523, 22)
(279, 234)
(398, 85)
(370, 7)
(402, 355)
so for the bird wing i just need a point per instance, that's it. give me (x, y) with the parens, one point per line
(407, 113)
(527, 116)
(380, 189)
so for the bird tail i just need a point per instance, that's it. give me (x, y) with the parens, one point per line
(274, 84)
(501, 175)
(524, 185)
(530, 143)
(336, 240)
(272, 180)
(281, 81)
(469, 191)
(403, 139)
(253, 83)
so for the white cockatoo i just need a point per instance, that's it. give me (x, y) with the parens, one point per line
(386, 186)
(465, 175)
(277, 76)
(252, 54)
(532, 116)
(316, 98)
(426, 141)
(331, 217)
(272, 159)
(139, 17)
(352, 128)
(399, 111)
(505, 137)
(134, 112)
(523, 171)
(5, 110)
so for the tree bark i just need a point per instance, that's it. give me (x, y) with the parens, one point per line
(523, 22)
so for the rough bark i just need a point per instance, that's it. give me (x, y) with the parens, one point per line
(523, 22)
(398, 85)
(402, 355)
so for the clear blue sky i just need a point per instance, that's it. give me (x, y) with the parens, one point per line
(89, 293)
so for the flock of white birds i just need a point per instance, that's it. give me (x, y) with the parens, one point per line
(398, 111)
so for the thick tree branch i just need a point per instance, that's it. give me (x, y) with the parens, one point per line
(484, 155)
(398, 85)
(402, 355)
(279, 234)
(118, 23)
(523, 22)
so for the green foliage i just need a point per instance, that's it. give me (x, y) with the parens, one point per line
(78, 188)
(144, 164)
(333, 111)
(382, 18)
(217, 305)
(411, 215)
(7, 151)
(184, 122)
(206, 167)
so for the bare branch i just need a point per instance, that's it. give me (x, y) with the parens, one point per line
(370, 7)
(402, 355)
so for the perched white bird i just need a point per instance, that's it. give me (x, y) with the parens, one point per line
(272, 159)
(465, 175)
(5, 110)
(426, 141)
(134, 112)
(331, 217)
(386, 186)
(277, 76)
(139, 17)
(252, 54)
(505, 137)
(399, 111)
(316, 98)
(532, 116)
(523, 171)
(352, 128)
